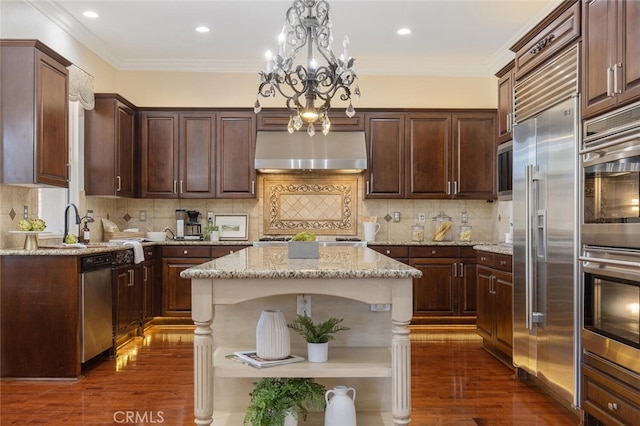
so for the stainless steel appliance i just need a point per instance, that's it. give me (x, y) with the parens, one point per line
(611, 163)
(505, 171)
(612, 305)
(96, 305)
(545, 227)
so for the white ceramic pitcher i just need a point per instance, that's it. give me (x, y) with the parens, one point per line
(341, 410)
(370, 230)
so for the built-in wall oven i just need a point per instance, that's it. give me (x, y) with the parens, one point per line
(612, 305)
(611, 190)
(610, 266)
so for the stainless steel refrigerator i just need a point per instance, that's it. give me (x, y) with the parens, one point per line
(545, 239)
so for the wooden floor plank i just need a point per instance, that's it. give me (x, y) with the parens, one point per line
(454, 382)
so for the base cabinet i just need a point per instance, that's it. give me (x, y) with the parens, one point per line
(128, 301)
(494, 321)
(176, 291)
(610, 394)
(446, 292)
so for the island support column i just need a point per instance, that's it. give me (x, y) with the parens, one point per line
(401, 313)
(202, 312)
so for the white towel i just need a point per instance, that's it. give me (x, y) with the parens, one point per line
(138, 252)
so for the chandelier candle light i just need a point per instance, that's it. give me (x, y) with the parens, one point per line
(307, 24)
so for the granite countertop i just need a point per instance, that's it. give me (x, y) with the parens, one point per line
(427, 243)
(94, 248)
(273, 262)
(500, 248)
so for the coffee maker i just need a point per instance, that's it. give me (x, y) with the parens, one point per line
(192, 226)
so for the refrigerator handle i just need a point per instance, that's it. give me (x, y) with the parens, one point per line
(529, 262)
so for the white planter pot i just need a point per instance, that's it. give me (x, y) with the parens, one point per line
(272, 335)
(318, 352)
(214, 236)
(290, 420)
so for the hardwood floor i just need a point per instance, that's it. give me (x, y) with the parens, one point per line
(454, 382)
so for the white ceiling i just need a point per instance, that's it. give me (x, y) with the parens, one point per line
(450, 37)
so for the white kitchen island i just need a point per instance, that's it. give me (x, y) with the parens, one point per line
(374, 356)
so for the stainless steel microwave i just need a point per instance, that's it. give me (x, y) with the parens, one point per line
(505, 171)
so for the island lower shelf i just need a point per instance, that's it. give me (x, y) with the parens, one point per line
(356, 362)
(314, 419)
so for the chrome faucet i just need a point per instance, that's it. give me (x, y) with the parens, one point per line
(66, 220)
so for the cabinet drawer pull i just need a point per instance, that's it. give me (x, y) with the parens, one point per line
(483, 259)
(503, 262)
(388, 251)
(433, 252)
(185, 252)
(612, 406)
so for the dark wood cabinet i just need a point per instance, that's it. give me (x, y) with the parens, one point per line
(610, 394)
(494, 322)
(446, 292)
(109, 147)
(159, 134)
(504, 123)
(148, 285)
(451, 155)
(473, 155)
(40, 316)
(196, 174)
(428, 151)
(385, 174)
(558, 30)
(35, 114)
(236, 142)
(278, 119)
(128, 301)
(610, 54)
(178, 154)
(176, 291)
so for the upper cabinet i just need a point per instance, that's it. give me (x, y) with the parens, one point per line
(35, 111)
(558, 30)
(236, 144)
(177, 154)
(610, 54)
(278, 119)
(109, 147)
(506, 81)
(451, 155)
(384, 134)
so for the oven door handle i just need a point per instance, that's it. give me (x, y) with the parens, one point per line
(609, 261)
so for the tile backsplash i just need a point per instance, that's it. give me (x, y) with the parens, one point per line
(335, 199)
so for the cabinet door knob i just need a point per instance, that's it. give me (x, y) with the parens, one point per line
(388, 251)
(503, 262)
(483, 259)
(433, 252)
(185, 252)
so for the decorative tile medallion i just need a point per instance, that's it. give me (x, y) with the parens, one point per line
(320, 205)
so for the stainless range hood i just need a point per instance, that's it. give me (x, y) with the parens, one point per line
(338, 152)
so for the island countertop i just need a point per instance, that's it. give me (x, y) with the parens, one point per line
(273, 262)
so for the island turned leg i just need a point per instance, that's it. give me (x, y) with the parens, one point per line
(401, 373)
(202, 312)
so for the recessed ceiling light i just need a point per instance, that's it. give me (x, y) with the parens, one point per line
(90, 14)
(404, 31)
(202, 29)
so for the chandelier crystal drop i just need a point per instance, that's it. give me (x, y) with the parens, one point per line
(307, 26)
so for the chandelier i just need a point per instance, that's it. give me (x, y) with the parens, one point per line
(307, 25)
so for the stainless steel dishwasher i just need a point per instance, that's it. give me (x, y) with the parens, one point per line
(96, 305)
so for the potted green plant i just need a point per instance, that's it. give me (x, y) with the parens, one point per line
(303, 245)
(275, 399)
(212, 232)
(317, 335)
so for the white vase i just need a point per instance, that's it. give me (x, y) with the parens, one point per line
(214, 236)
(341, 409)
(272, 335)
(318, 352)
(290, 420)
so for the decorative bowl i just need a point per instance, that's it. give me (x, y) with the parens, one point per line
(156, 236)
